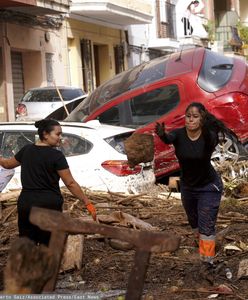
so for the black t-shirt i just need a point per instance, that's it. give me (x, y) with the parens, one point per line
(194, 156)
(39, 166)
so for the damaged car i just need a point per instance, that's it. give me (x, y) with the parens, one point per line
(160, 90)
(95, 153)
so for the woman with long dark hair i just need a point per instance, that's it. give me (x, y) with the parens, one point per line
(200, 185)
(42, 166)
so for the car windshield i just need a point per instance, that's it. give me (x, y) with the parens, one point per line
(131, 79)
(51, 95)
(215, 72)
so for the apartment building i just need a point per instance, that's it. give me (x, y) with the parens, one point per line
(98, 40)
(178, 24)
(31, 48)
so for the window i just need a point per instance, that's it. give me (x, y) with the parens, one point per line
(49, 68)
(142, 109)
(216, 71)
(73, 145)
(12, 142)
(163, 11)
(51, 95)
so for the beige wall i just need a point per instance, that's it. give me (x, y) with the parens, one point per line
(2, 87)
(244, 11)
(32, 69)
(106, 66)
(104, 37)
(31, 42)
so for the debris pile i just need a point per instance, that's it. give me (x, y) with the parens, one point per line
(106, 263)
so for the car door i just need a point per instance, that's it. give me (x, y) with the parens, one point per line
(158, 102)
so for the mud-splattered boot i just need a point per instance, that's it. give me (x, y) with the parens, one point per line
(207, 272)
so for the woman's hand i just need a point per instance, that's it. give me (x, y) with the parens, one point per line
(160, 129)
(91, 209)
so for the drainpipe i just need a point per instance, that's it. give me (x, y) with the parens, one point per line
(9, 95)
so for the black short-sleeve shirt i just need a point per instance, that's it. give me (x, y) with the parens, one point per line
(194, 156)
(39, 166)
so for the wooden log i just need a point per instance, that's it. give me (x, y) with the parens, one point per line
(28, 267)
(52, 220)
(73, 254)
(9, 195)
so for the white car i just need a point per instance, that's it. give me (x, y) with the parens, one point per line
(40, 103)
(95, 154)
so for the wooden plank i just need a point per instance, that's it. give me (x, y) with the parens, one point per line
(52, 220)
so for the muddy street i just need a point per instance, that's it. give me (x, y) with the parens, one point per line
(105, 267)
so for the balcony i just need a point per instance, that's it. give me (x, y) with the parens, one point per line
(36, 7)
(115, 12)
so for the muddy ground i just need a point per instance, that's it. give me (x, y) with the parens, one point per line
(170, 276)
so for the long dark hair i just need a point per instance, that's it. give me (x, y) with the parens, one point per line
(45, 125)
(211, 123)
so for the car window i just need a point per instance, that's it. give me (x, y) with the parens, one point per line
(142, 109)
(215, 72)
(51, 95)
(117, 141)
(12, 142)
(74, 145)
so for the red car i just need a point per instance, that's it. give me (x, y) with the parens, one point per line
(161, 89)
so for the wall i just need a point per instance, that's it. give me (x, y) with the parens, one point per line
(104, 37)
(33, 45)
(244, 11)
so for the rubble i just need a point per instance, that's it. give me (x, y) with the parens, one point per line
(170, 276)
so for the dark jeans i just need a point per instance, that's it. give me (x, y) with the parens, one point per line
(26, 201)
(202, 204)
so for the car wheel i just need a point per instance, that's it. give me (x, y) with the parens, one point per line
(229, 150)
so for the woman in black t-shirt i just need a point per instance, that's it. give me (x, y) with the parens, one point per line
(200, 185)
(42, 166)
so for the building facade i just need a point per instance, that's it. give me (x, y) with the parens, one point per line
(31, 48)
(97, 38)
(83, 43)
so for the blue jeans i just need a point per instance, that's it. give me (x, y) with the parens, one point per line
(201, 205)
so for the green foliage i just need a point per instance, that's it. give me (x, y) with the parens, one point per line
(243, 32)
(210, 28)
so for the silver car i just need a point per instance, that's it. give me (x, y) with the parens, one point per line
(40, 103)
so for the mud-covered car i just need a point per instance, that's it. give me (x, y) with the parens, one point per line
(95, 154)
(161, 89)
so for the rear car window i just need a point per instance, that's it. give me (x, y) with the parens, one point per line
(117, 141)
(72, 145)
(51, 95)
(215, 72)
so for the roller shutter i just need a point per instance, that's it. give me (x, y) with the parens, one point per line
(17, 76)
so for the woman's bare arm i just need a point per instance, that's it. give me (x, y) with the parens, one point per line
(76, 190)
(72, 185)
(9, 163)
